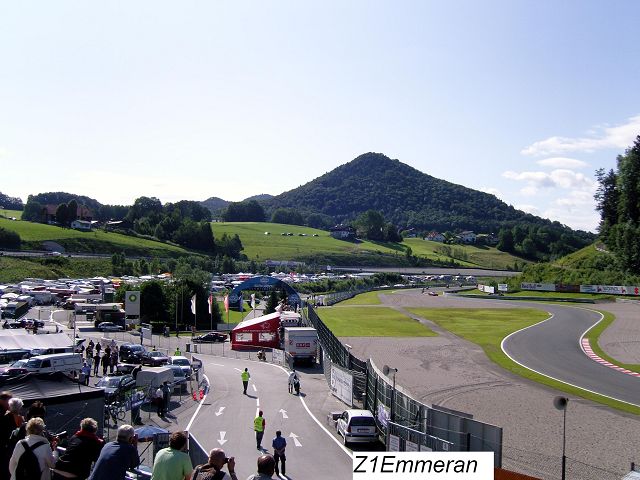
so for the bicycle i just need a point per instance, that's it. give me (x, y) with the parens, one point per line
(115, 411)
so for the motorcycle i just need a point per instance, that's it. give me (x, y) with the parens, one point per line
(262, 356)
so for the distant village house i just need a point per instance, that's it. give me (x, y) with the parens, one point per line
(435, 237)
(343, 232)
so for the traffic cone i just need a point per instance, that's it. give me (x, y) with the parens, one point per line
(201, 394)
(195, 398)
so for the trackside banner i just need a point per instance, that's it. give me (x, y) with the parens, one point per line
(422, 465)
(606, 289)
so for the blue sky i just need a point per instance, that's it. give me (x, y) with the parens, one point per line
(188, 100)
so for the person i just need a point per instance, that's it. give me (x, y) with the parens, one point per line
(10, 421)
(292, 376)
(106, 360)
(90, 348)
(107, 351)
(266, 468)
(160, 401)
(5, 324)
(86, 373)
(216, 461)
(279, 445)
(117, 457)
(4, 401)
(166, 330)
(113, 360)
(83, 448)
(258, 426)
(173, 463)
(177, 353)
(96, 363)
(43, 450)
(135, 371)
(245, 380)
(37, 409)
(166, 397)
(98, 347)
(261, 355)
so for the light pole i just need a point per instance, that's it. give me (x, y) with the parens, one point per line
(561, 404)
(349, 347)
(386, 369)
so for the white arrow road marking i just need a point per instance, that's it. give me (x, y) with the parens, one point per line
(295, 439)
(238, 369)
(254, 387)
(221, 440)
(219, 412)
(284, 413)
(220, 365)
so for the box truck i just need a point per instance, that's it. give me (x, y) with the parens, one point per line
(301, 344)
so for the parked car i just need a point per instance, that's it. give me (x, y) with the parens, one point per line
(109, 327)
(131, 353)
(357, 426)
(30, 322)
(210, 337)
(179, 378)
(115, 386)
(433, 294)
(183, 363)
(7, 373)
(154, 359)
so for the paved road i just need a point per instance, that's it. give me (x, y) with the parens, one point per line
(553, 348)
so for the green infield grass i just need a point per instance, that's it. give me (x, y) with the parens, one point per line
(368, 298)
(488, 327)
(371, 322)
(593, 336)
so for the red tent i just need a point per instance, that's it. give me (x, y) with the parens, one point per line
(259, 332)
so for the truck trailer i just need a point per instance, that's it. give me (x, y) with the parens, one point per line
(301, 344)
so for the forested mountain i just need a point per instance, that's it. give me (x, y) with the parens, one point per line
(215, 204)
(10, 203)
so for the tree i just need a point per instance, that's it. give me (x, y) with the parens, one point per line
(32, 211)
(250, 211)
(72, 210)
(62, 214)
(289, 216)
(154, 306)
(505, 240)
(9, 239)
(607, 197)
(370, 225)
(272, 303)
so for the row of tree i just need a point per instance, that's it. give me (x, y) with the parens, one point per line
(618, 201)
(540, 242)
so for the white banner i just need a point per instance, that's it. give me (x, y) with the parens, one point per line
(342, 385)
(132, 304)
(503, 287)
(146, 333)
(422, 465)
(394, 445)
(489, 289)
(277, 356)
(589, 288)
(410, 446)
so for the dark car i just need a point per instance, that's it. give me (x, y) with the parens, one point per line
(131, 353)
(154, 359)
(7, 373)
(210, 337)
(115, 386)
(14, 324)
(30, 322)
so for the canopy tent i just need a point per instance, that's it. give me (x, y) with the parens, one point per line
(19, 340)
(260, 332)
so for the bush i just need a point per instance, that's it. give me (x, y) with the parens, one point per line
(9, 239)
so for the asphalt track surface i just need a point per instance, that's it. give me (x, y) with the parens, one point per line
(225, 420)
(552, 348)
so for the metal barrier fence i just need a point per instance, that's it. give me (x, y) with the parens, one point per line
(410, 440)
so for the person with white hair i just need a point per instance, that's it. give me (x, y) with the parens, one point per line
(117, 457)
(37, 442)
(11, 420)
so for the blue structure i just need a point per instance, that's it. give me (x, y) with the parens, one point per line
(266, 284)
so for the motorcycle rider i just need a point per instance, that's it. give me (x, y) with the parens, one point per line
(293, 378)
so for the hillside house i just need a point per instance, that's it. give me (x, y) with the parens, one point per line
(435, 237)
(343, 232)
(49, 213)
(83, 225)
(467, 237)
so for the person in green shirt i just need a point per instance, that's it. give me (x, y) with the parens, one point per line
(173, 463)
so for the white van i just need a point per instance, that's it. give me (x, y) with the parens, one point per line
(57, 362)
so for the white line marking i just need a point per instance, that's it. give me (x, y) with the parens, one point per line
(557, 379)
(238, 369)
(254, 387)
(195, 414)
(257, 402)
(217, 364)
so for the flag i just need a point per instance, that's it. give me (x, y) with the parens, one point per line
(253, 301)
(226, 303)
(210, 302)
(193, 304)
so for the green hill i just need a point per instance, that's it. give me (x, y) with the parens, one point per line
(259, 246)
(96, 241)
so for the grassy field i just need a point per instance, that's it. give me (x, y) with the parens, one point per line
(325, 249)
(594, 334)
(371, 322)
(96, 241)
(11, 213)
(468, 255)
(17, 269)
(369, 298)
(487, 328)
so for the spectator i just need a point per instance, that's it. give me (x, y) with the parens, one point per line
(43, 449)
(106, 360)
(113, 360)
(37, 409)
(86, 373)
(98, 347)
(266, 467)
(134, 372)
(173, 463)
(83, 449)
(217, 459)
(11, 420)
(96, 362)
(279, 445)
(107, 351)
(4, 401)
(258, 426)
(117, 457)
(160, 401)
(166, 397)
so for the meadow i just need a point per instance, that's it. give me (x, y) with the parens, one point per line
(371, 322)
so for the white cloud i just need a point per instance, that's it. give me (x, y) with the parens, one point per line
(4, 152)
(562, 162)
(529, 191)
(618, 137)
(559, 178)
(492, 191)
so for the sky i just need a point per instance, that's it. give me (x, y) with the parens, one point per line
(197, 99)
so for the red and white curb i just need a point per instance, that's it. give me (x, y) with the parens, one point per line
(586, 347)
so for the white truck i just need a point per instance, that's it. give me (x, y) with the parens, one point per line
(301, 344)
